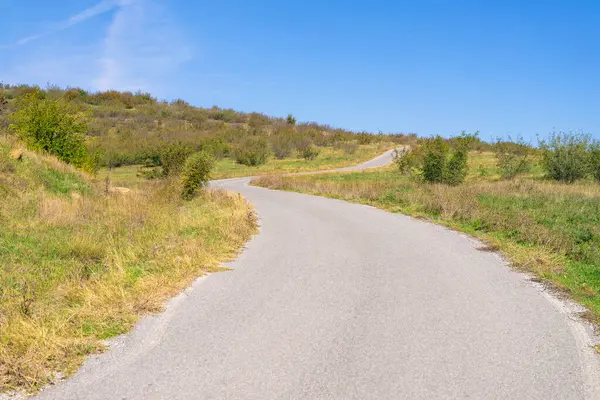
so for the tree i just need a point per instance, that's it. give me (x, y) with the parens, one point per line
(290, 120)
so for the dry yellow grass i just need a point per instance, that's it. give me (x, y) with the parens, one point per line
(78, 266)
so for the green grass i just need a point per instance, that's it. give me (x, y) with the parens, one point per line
(328, 158)
(547, 228)
(78, 266)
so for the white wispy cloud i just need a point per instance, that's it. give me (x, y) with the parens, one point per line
(100, 8)
(142, 48)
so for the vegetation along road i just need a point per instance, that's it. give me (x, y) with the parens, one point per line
(334, 300)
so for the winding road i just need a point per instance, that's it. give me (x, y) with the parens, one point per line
(334, 300)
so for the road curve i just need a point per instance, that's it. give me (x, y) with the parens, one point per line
(334, 300)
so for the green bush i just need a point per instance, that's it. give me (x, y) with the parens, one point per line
(310, 153)
(566, 156)
(512, 158)
(173, 157)
(595, 160)
(407, 159)
(52, 126)
(456, 167)
(218, 147)
(440, 164)
(290, 119)
(435, 153)
(252, 151)
(195, 173)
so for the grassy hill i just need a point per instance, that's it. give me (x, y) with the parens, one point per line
(80, 263)
(131, 129)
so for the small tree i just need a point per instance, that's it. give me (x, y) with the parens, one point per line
(290, 119)
(512, 158)
(173, 157)
(195, 173)
(53, 126)
(566, 156)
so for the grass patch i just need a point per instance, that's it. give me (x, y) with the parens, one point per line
(78, 266)
(548, 228)
(328, 158)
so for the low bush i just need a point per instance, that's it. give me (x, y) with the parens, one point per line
(350, 147)
(407, 159)
(512, 158)
(310, 153)
(440, 163)
(435, 153)
(252, 151)
(566, 156)
(195, 173)
(173, 157)
(51, 126)
(595, 160)
(282, 145)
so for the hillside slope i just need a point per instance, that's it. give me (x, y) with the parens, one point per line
(79, 264)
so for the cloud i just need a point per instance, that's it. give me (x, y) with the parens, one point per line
(100, 8)
(142, 48)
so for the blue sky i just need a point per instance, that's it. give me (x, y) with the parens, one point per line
(426, 66)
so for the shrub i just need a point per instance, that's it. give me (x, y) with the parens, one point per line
(456, 168)
(565, 156)
(435, 153)
(366, 138)
(595, 160)
(440, 165)
(350, 147)
(52, 126)
(407, 159)
(195, 173)
(512, 158)
(302, 143)
(216, 146)
(290, 120)
(282, 145)
(252, 151)
(310, 153)
(173, 157)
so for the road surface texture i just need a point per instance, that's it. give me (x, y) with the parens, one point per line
(334, 300)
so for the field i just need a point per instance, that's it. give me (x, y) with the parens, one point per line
(80, 265)
(547, 228)
(328, 158)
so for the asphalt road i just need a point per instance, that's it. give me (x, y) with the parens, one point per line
(334, 300)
